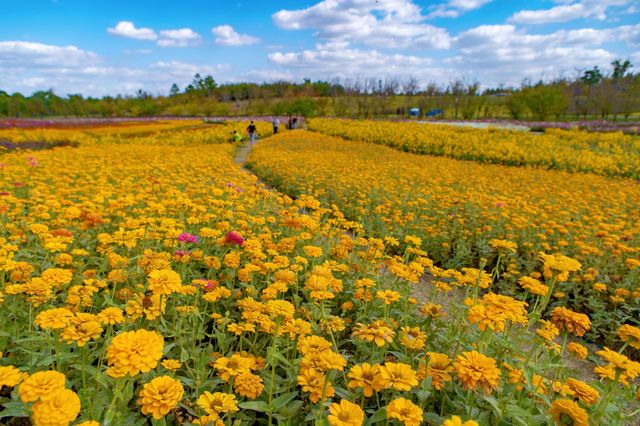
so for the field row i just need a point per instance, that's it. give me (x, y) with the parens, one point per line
(611, 154)
(458, 207)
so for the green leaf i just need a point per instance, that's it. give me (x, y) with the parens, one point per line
(494, 404)
(378, 416)
(259, 406)
(14, 409)
(282, 400)
(291, 409)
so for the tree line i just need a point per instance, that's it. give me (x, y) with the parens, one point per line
(594, 93)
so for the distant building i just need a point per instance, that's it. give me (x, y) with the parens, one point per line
(414, 112)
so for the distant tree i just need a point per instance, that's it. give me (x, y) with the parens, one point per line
(516, 105)
(175, 90)
(545, 100)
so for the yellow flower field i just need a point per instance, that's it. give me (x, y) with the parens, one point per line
(460, 209)
(151, 280)
(611, 154)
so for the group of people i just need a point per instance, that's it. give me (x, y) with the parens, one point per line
(252, 130)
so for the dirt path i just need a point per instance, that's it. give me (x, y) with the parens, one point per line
(242, 152)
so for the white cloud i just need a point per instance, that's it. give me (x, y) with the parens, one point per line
(27, 67)
(506, 54)
(227, 36)
(182, 37)
(39, 55)
(128, 30)
(392, 24)
(337, 59)
(455, 8)
(567, 11)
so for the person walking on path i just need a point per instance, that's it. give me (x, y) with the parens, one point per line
(276, 124)
(252, 132)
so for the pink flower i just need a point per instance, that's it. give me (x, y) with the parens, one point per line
(32, 161)
(234, 238)
(185, 237)
(181, 253)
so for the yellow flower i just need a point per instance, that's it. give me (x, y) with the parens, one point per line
(111, 316)
(404, 411)
(564, 410)
(231, 367)
(413, 338)
(630, 334)
(377, 332)
(316, 384)
(477, 370)
(159, 396)
(171, 364)
(388, 296)
(367, 377)
(164, 281)
(217, 403)
(11, 376)
(583, 391)
(534, 286)
(60, 409)
(312, 251)
(54, 319)
(457, 421)
(576, 323)
(133, 352)
(559, 265)
(248, 385)
(577, 350)
(89, 423)
(345, 414)
(82, 329)
(41, 385)
(504, 245)
(438, 368)
(398, 375)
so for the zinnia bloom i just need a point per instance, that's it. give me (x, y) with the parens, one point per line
(164, 281)
(60, 409)
(477, 370)
(248, 385)
(345, 414)
(577, 350)
(404, 411)
(171, 364)
(563, 410)
(186, 237)
(82, 329)
(159, 396)
(218, 403)
(41, 385)
(133, 352)
(367, 377)
(231, 367)
(457, 421)
(630, 334)
(576, 323)
(54, 319)
(234, 238)
(11, 376)
(438, 368)
(583, 391)
(398, 375)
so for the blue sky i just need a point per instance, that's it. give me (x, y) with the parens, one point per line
(109, 47)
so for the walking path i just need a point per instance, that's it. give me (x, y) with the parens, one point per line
(242, 152)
